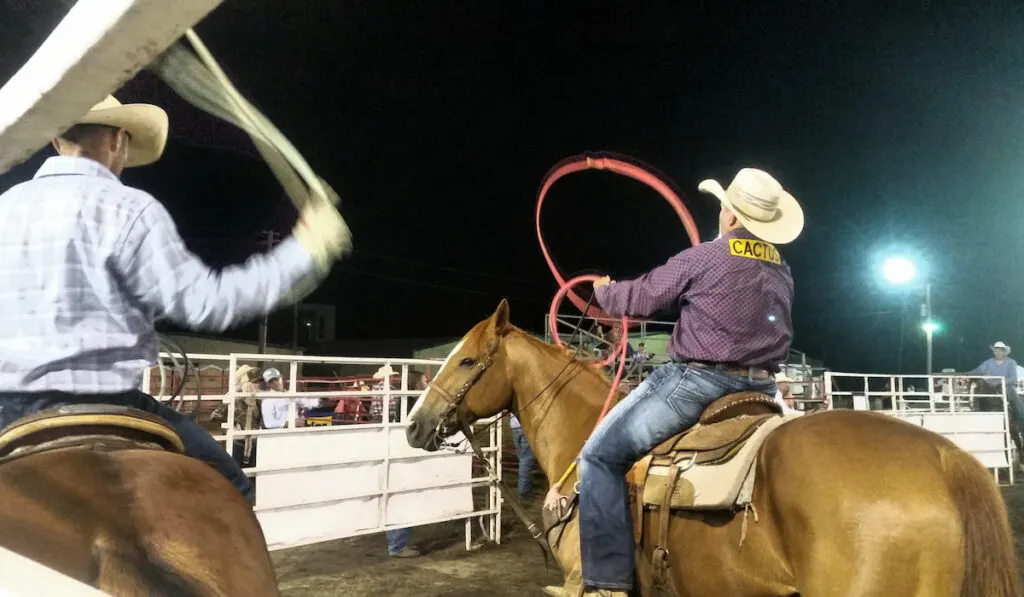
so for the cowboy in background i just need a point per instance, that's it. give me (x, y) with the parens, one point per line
(733, 297)
(1001, 365)
(784, 394)
(90, 265)
(246, 415)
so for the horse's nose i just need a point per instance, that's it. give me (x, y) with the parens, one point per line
(412, 433)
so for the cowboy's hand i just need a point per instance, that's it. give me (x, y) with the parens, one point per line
(323, 233)
(602, 282)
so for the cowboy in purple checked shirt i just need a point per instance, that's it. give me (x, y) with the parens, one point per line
(733, 296)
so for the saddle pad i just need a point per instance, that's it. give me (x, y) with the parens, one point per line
(718, 436)
(711, 486)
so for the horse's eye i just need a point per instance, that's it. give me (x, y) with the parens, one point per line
(467, 362)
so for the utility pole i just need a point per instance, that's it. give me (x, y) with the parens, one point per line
(928, 323)
(295, 326)
(271, 238)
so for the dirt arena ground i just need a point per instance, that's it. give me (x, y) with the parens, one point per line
(360, 567)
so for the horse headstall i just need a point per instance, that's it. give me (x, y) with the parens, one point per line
(447, 424)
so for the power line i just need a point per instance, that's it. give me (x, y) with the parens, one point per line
(449, 268)
(442, 286)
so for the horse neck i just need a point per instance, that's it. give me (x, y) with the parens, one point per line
(559, 421)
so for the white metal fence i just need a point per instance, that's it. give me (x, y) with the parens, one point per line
(324, 482)
(969, 410)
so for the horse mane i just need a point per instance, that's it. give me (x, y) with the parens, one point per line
(563, 354)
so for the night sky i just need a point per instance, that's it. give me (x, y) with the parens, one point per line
(899, 129)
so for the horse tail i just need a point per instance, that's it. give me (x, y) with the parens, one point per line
(990, 564)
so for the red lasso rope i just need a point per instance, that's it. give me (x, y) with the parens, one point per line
(631, 168)
(619, 164)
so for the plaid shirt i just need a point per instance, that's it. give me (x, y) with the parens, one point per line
(733, 297)
(377, 406)
(87, 265)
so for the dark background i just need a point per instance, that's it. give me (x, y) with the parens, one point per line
(898, 126)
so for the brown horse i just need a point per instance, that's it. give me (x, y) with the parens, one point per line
(850, 503)
(131, 521)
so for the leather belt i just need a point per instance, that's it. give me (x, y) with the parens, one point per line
(752, 372)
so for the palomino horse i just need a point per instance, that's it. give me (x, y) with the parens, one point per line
(102, 495)
(848, 503)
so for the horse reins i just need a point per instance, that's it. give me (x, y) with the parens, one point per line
(454, 407)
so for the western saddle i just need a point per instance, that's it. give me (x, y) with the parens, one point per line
(706, 467)
(96, 426)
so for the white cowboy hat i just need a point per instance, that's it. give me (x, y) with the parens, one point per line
(1002, 345)
(761, 205)
(782, 378)
(146, 125)
(271, 374)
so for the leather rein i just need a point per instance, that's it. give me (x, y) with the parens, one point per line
(455, 406)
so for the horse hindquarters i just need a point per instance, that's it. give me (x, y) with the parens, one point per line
(196, 525)
(134, 523)
(863, 507)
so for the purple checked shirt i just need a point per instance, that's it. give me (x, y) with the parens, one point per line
(734, 297)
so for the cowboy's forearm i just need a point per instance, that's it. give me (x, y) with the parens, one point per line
(657, 291)
(164, 275)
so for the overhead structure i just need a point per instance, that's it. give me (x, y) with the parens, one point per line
(94, 50)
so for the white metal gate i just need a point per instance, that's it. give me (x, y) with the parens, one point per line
(951, 405)
(318, 483)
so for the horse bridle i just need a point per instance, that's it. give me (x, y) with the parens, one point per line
(455, 407)
(455, 400)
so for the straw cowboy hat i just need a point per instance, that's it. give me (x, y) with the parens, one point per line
(385, 371)
(244, 374)
(1002, 345)
(146, 125)
(760, 204)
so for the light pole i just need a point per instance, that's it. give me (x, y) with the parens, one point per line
(901, 271)
(929, 326)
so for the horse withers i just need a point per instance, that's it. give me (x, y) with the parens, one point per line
(842, 504)
(104, 494)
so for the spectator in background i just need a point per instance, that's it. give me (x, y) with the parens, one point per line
(275, 410)
(526, 458)
(614, 337)
(784, 393)
(247, 415)
(640, 359)
(398, 539)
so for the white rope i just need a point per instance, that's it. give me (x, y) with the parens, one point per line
(198, 78)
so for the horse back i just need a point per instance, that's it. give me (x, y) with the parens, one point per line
(134, 522)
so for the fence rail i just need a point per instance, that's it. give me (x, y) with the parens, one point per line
(350, 477)
(972, 411)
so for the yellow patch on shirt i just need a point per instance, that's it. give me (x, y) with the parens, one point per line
(754, 249)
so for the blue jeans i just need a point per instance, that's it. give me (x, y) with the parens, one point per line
(398, 539)
(526, 461)
(668, 402)
(198, 443)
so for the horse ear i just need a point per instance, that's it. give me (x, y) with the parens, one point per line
(500, 318)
